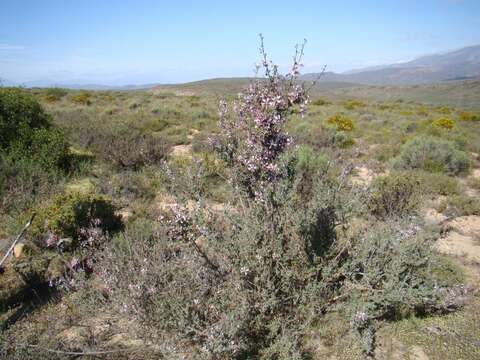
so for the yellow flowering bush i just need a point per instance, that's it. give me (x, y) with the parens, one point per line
(341, 122)
(443, 123)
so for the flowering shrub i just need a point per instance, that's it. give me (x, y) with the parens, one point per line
(252, 135)
(443, 123)
(341, 122)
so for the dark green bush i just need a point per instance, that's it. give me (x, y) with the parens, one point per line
(433, 155)
(20, 115)
(26, 132)
(46, 147)
(396, 194)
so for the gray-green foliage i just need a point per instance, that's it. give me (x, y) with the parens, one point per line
(432, 154)
(250, 281)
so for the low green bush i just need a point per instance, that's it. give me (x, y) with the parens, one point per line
(55, 94)
(432, 154)
(82, 98)
(354, 104)
(468, 116)
(460, 205)
(23, 182)
(437, 183)
(342, 139)
(320, 102)
(70, 215)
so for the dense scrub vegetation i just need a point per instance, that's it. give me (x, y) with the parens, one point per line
(237, 235)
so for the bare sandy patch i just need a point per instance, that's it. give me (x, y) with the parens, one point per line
(363, 176)
(459, 245)
(466, 225)
(182, 150)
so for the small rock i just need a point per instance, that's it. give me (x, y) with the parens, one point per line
(18, 251)
(124, 213)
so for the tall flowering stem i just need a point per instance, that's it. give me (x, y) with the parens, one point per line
(252, 135)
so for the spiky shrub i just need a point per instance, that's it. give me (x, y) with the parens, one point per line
(232, 284)
(432, 154)
(396, 194)
(129, 149)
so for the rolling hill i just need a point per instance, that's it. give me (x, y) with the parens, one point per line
(462, 64)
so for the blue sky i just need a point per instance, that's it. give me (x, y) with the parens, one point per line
(144, 41)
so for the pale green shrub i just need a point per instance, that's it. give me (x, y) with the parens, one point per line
(432, 154)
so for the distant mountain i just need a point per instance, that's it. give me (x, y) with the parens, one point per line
(75, 86)
(6, 82)
(231, 86)
(460, 64)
